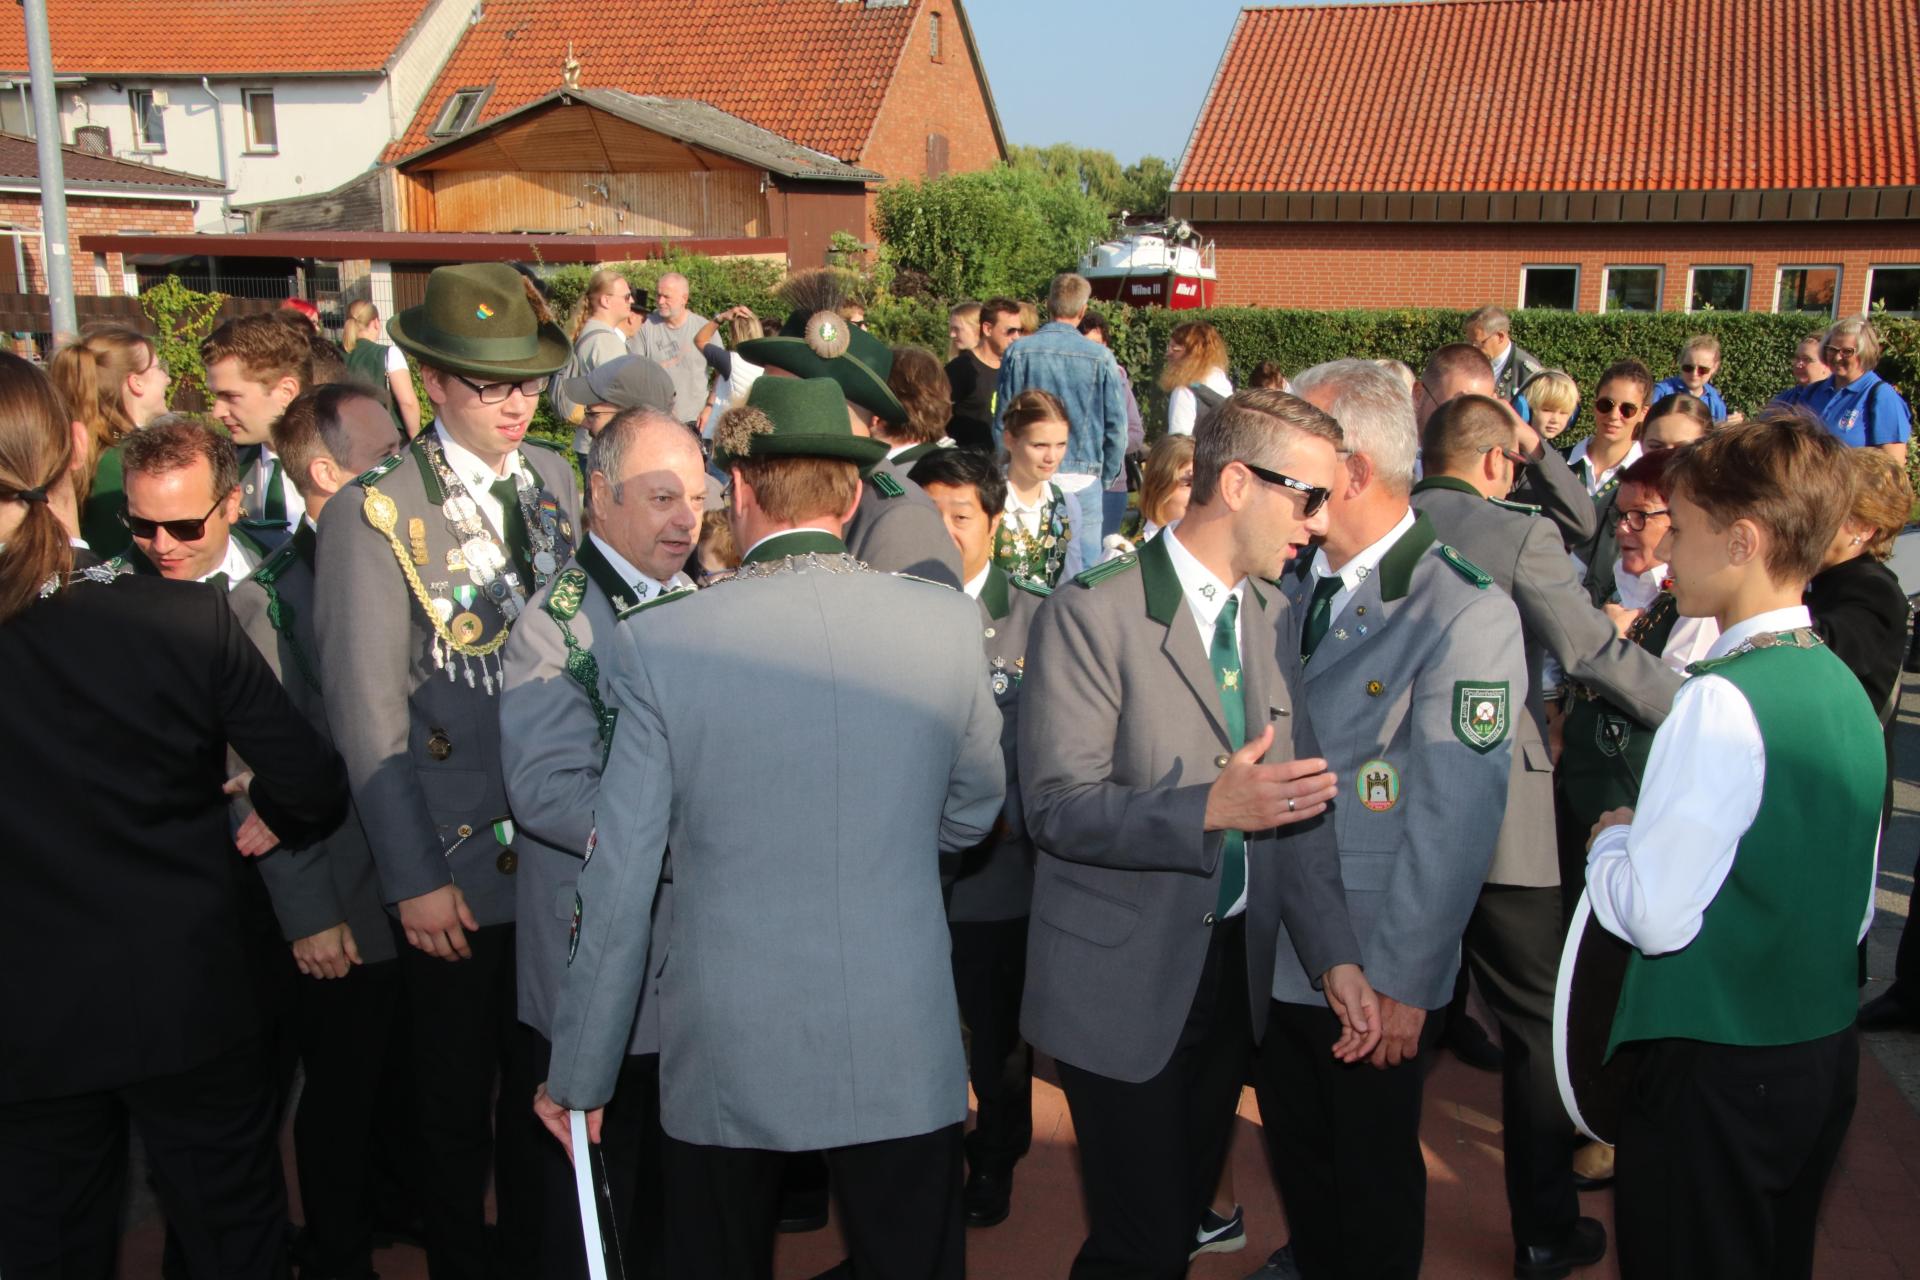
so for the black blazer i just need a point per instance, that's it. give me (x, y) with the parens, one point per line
(119, 917)
(1859, 609)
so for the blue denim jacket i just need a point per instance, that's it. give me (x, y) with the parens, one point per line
(1086, 378)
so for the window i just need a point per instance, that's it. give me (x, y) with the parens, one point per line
(460, 112)
(149, 125)
(16, 111)
(936, 155)
(933, 36)
(1814, 290)
(1894, 291)
(1632, 289)
(1718, 289)
(1554, 288)
(263, 134)
(102, 282)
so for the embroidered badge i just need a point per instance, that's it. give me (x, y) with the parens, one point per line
(1379, 786)
(483, 312)
(1480, 714)
(1611, 734)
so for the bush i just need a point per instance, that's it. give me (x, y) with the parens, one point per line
(182, 318)
(713, 283)
(1000, 230)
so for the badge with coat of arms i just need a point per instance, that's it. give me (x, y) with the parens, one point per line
(1481, 714)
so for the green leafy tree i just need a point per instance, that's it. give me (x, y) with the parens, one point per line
(1002, 230)
(182, 318)
(1140, 188)
(1143, 189)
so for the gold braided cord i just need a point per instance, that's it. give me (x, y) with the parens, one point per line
(383, 515)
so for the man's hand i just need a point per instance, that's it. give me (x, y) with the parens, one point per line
(1400, 1026)
(237, 785)
(330, 953)
(1622, 617)
(434, 923)
(255, 837)
(1611, 818)
(1250, 796)
(1352, 999)
(555, 1117)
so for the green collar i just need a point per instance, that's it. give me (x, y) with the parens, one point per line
(1452, 483)
(795, 542)
(1396, 567)
(589, 557)
(996, 595)
(435, 494)
(1163, 584)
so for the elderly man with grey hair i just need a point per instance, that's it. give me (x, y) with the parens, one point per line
(646, 485)
(1412, 671)
(1491, 331)
(668, 336)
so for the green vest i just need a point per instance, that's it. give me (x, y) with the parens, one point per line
(1775, 961)
(1605, 758)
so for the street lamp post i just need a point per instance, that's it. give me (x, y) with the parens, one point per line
(53, 177)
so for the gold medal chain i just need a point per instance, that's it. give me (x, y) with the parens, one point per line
(383, 515)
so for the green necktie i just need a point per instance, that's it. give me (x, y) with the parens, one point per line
(218, 580)
(513, 522)
(1225, 656)
(1319, 614)
(274, 505)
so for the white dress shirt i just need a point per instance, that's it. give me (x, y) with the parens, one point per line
(234, 564)
(1024, 516)
(1361, 567)
(473, 471)
(1651, 883)
(1691, 638)
(1594, 480)
(1206, 596)
(978, 582)
(643, 586)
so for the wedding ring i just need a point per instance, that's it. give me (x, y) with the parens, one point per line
(1289, 804)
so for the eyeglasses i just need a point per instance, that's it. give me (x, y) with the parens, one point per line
(497, 392)
(1315, 496)
(1696, 368)
(1841, 353)
(179, 530)
(1627, 408)
(1514, 456)
(1637, 520)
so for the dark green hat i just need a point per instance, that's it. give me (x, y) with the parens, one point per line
(809, 417)
(478, 321)
(824, 345)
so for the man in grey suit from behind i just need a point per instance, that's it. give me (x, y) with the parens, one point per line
(806, 1000)
(1412, 671)
(1514, 936)
(1171, 783)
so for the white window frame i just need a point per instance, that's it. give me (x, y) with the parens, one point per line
(141, 142)
(254, 146)
(935, 51)
(1520, 302)
(1866, 297)
(443, 124)
(1659, 289)
(1780, 280)
(1692, 268)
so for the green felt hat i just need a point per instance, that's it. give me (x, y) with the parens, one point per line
(478, 321)
(809, 417)
(824, 345)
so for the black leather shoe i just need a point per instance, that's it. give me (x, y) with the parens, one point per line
(1887, 1012)
(988, 1198)
(1583, 1246)
(1466, 1040)
(803, 1211)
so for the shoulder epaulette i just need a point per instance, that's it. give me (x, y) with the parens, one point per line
(1465, 568)
(545, 443)
(932, 582)
(1106, 569)
(568, 592)
(1031, 586)
(1527, 508)
(276, 565)
(665, 598)
(374, 473)
(886, 486)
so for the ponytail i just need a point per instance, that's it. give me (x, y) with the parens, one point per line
(361, 316)
(90, 374)
(36, 452)
(599, 283)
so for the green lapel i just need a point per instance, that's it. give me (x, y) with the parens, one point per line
(1396, 567)
(435, 494)
(996, 595)
(250, 543)
(796, 542)
(1162, 584)
(589, 557)
(1453, 483)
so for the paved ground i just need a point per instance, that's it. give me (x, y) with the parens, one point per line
(1870, 1225)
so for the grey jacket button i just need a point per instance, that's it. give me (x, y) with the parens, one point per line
(1220, 762)
(1207, 920)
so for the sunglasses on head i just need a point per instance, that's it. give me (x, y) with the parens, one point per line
(1627, 408)
(1315, 497)
(179, 530)
(1696, 368)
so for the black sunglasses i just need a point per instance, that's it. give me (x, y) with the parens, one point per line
(179, 530)
(1627, 408)
(1315, 496)
(497, 392)
(1696, 368)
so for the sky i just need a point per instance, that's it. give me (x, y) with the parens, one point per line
(1126, 76)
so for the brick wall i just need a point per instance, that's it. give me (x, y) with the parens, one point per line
(1332, 265)
(89, 216)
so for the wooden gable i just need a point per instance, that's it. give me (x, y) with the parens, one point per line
(571, 137)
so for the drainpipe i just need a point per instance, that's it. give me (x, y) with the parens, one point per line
(220, 141)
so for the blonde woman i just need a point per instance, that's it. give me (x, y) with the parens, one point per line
(372, 360)
(112, 381)
(1166, 484)
(598, 337)
(1196, 371)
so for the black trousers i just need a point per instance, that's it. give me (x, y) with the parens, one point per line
(1150, 1153)
(209, 1136)
(1724, 1152)
(989, 974)
(1344, 1145)
(899, 1207)
(475, 1112)
(1513, 944)
(629, 1152)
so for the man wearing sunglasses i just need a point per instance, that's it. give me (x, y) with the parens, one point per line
(429, 560)
(1167, 850)
(183, 503)
(1413, 673)
(1513, 937)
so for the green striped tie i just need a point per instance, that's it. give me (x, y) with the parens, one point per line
(1319, 614)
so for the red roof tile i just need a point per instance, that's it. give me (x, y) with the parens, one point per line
(813, 71)
(1564, 95)
(214, 37)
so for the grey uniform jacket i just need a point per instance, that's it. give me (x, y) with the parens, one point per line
(897, 529)
(551, 751)
(422, 750)
(995, 880)
(1121, 737)
(1549, 484)
(1392, 689)
(332, 882)
(806, 999)
(1524, 556)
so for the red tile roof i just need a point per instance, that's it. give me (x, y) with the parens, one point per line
(813, 71)
(1564, 95)
(214, 37)
(20, 162)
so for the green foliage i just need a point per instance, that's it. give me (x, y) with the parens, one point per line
(181, 319)
(1141, 188)
(970, 235)
(713, 283)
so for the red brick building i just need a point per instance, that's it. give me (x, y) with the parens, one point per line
(1451, 153)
